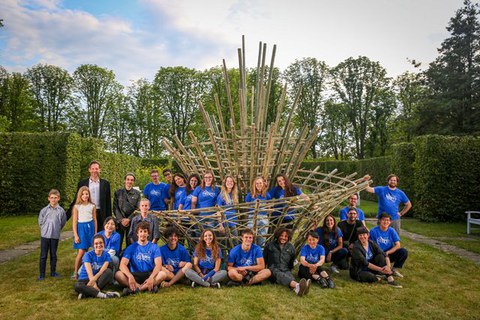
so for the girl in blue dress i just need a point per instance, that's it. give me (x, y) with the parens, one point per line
(84, 224)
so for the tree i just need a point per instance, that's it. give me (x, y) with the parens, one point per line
(308, 75)
(380, 128)
(357, 82)
(97, 91)
(176, 93)
(335, 129)
(454, 77)
(52, 88)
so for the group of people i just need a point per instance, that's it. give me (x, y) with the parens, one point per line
(144, 266)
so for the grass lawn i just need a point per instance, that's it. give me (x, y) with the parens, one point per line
(436, 286)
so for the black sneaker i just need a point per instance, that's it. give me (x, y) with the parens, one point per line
(215, 285)
(330, 283)
(248, 277)
(233, 284)
(55, 275)
(323, 283)
(126, 292)
(394, 284)
(309, 282)
(302, 284)
(112, 294)
(154, 289)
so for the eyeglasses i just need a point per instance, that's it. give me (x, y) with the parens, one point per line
(207, 178)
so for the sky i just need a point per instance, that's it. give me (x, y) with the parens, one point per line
(135, 38)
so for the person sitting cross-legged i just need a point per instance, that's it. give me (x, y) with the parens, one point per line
(280, 256)
(141, 264)
(388, 240)
(245, 262)
(176, 260)
(368, 261)
(312, 257)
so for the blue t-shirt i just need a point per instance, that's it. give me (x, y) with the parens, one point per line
(240, 258)
(385, 239)
(249, 198)
(368, 255)
(344, 214)
(186, 201)
(157, 193)
(206, 198)
(174, 257)
(142, 258)
(332, 241)
(229, 214)
(179, 194)
(389, 200)
(279, 193)
(95, 261)
(207, 264)
(312, 255)
(112, 243)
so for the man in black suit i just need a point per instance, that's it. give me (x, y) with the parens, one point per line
(99, 192)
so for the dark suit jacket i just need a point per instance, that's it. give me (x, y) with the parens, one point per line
(105, 198)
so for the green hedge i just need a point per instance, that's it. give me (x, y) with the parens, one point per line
(34, 163)
(447, 177)
(403, 158)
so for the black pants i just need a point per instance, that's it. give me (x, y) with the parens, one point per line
(398, 258)
(282, 277)
(369, 275)
(46, 245)
(304, 272)
(81, 285)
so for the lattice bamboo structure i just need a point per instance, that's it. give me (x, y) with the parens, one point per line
(251, 147)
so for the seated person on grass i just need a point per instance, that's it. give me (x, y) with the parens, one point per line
(368, 261)
(245, 262)
(388, 240)
(141, 264)
(279, 256)
(95, 273)
(331, 238)
(144, 216)
(312, 258)
(352, 203)
(349, 228)
(207, 260)
(176, 260)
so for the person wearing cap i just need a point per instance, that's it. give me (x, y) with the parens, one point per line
(389, 200)
(388, 240)
(125, 202)
(368, 262)
(352, 203)
(349, 228)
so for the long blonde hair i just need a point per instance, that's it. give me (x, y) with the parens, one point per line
(79, 195)
(224, 190)
(253, 188)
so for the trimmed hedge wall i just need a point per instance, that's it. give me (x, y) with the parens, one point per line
(34, 163)
(447, 177)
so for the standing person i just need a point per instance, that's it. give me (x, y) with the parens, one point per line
(284, 189)
(112, 241)
(279, 256)
(349, 228)
(389, 241)
(95, 273)
(144, 216)
(258, 192)
(312, 258)
(245, 262)
(100, 193)
(84, 226)
(368, 261)
(141, 264)
(125, 202)
(51, 220)
(186, 200)
(177, 190)
(228, 196)
(331, 238)
(168, 176)
(205, 196)
(352, 203)
(207, 260)
(389, 199)
(176, 260)
(156, 192)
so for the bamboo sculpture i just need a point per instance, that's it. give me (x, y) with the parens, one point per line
(248, 148)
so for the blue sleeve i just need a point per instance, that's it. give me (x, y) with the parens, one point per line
(217, 190)
(127, 254)
(258, 252)
(87, 257)
(166, 189)
(220, 201)
(185, 255)
(268, 196)
(196, 192)
(321, 250)
(373, 235)
(297, 191)
(394, 235)
(378, 190)
(303, 252)
(106, 257)
(146, 190)
(116, 243)
(343, 214)
(232, 256)
(404, 197)
(157, 253)
(361, 215)
(248, 198)
(339, 233)
(273, 193)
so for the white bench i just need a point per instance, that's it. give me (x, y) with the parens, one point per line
(471, 220)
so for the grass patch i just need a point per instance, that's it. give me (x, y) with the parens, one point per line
(454, 233)
(432, 278)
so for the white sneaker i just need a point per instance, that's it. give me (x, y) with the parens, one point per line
(193, 284)
(334, 269)
(112, 294)
(80, 296)
(397, 274)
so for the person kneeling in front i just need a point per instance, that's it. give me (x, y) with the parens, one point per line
(245, 262)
